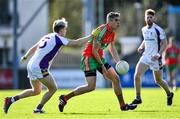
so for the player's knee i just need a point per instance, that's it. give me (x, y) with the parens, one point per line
(116, 78)
(113, 77)
(158, 81)
(36, 92)
(137, 76)
(53, 89)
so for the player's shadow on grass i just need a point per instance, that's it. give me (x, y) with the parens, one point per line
(154, 111)
(86, 113)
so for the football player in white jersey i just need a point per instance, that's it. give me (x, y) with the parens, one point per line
(152, 47)
(42, 54)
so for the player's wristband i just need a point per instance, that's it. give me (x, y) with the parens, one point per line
(158, 55)
(24, 57)
(101, 65)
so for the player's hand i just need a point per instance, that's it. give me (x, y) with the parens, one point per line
(140, 50)
(155, 57)
(23, 59)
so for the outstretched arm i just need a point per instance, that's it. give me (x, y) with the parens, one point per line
(79, 41)
(30, 52)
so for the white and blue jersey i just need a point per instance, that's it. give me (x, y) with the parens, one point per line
(152, 38)
(40, 62)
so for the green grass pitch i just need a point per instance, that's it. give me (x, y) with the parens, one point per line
(99, 104)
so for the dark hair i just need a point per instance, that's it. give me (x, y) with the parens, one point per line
(57, 28)
(112, 15)
(59, 24)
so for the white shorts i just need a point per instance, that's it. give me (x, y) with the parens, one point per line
(153, 65)
(34, 72)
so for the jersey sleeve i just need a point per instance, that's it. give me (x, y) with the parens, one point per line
(99, 33)
(64, 40)
(162, 34)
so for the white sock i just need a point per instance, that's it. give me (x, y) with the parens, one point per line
(12, 99)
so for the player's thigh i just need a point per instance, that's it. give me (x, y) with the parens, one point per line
(157, 75)
(49, 82)
(140, 68)
(36, 85)
(91, 81)
(112, 74)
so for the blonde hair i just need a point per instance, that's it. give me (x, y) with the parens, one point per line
(150, 11)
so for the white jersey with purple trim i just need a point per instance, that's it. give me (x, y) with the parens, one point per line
(152, 38)
(48, 47)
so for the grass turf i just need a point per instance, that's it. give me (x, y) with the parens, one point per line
(99, 104)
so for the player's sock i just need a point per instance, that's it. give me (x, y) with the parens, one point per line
(169, 94)
(15, 98)
(66, 97)
(40, 106)
(122, 105)
(138, 96)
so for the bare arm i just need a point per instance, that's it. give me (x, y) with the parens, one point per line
(141, 47)
(114, 52)
(79, 41)
(162, 49)
(30, 52)
(96, 46)
(163, 46)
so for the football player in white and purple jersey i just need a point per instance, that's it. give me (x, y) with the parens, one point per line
(152, 47)
(42, 55)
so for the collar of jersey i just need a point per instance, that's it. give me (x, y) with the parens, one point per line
(150, 27)
(108, 28)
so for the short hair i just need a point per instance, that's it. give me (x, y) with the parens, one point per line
(172, 38)
(59, 24)
(150, 12)
(112, 15)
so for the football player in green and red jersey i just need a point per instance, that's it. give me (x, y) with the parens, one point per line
(172, 57)
(92, 60)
